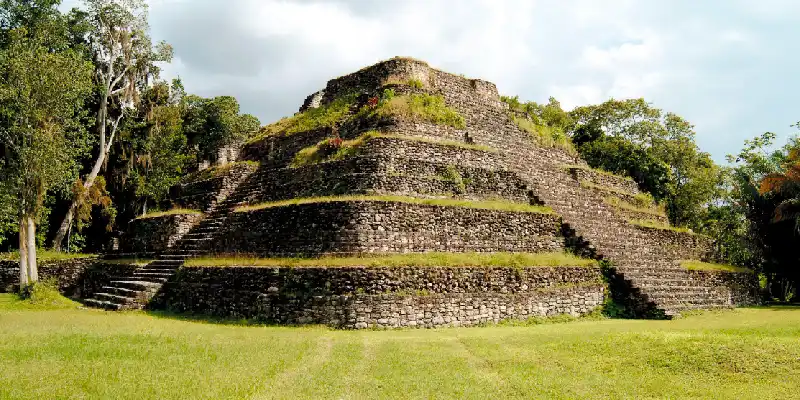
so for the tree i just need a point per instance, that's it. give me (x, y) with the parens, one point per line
(211, 124)
(41, 97)
(632, 137)
(125, 60)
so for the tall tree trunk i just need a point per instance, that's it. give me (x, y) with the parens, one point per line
(23, 253)
(33, 271)
(98, 165)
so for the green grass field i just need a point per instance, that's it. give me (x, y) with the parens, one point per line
(747, 353)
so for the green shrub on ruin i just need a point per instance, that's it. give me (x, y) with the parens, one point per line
(416, 107)
(639, 207)
(325, 150)
(325, 116)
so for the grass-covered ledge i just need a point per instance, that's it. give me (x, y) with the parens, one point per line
(431, 259)
(644, 223)
(639, 207)
(415, 107)
(47, 255)
(596, 171)
(694, 265)
(174, 211)
(447, 202)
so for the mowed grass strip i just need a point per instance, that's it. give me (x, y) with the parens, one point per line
(432, 259)
(446, 202)
(743, 354)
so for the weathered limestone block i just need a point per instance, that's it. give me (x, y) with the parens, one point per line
(80, 277)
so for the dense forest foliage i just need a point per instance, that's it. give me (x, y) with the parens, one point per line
(91, 136)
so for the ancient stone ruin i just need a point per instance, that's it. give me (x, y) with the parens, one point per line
(400, 157)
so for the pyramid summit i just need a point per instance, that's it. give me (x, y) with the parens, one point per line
(417, 198)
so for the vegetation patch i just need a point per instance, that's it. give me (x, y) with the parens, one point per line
(659, 225)
(592, 185)
(544, 135)
(638, 208)
(174, 211)
(46, 255)
(414, 107)
(487, 204)
(324, 116)
(694, 265)
(597, 171)
(431, 259)
(44, 294)
(214, 172)
(745, 353)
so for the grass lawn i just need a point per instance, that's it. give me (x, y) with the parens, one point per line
(747, 353)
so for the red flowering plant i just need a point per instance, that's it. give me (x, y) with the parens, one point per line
(372, 102)
(330, 146)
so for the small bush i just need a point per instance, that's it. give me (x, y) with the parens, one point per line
(415, 83)
(45, 294)
(420, 107)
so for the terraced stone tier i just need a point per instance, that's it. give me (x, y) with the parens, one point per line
(355, 227)
(379, 297)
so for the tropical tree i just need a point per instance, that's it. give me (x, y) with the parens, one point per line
(125, 61)
(41, 97)
(657, 149)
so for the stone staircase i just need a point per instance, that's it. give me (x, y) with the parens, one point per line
(652, 274)
(136, 290)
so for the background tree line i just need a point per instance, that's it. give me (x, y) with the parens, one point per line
(751, 206)
(90, 135)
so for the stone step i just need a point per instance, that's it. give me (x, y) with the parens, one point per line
(140, 278)
(121, 291)
(165, 271)
(106, 305)
(115, 298)
(136, 285)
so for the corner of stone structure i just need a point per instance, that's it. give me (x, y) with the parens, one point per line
(397, 70)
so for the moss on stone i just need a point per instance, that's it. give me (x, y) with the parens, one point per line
(415, 107)
(624, 205)
(325, 116)
(597, 171)
(694, 265)
(487, 204)
(659, 225)
(431, 259)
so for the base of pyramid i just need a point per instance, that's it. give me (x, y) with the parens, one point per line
(391, 297)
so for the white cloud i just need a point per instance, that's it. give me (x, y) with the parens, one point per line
(717, 63)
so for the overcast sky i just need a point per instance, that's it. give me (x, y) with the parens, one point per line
(731, 67)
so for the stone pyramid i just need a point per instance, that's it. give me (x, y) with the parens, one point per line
(400, 157)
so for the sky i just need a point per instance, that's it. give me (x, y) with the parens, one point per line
(730, 67)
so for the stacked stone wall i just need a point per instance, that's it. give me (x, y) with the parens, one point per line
(203, 194)
(156, 234)
(355, 227)
(385, 297)
(75, 278)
